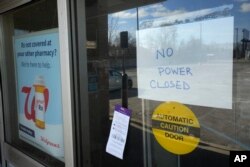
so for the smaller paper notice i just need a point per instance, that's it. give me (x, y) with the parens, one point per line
(118, 133)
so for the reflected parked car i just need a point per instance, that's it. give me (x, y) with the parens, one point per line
(115, 80)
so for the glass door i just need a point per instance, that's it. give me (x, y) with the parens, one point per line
(181, 69)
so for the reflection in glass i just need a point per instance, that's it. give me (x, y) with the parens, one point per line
(202, 47)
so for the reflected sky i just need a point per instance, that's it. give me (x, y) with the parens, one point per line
(126, 20)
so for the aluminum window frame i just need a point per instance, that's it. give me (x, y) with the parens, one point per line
(6, 5)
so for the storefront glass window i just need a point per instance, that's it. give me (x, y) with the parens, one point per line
(31, 82)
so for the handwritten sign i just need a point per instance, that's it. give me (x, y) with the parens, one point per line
(190, 63)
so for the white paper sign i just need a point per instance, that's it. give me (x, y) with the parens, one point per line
(118, 133)
(189, 63)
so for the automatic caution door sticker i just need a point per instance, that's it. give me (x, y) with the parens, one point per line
(176, 128)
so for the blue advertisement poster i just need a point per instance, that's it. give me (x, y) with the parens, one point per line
(39, 91)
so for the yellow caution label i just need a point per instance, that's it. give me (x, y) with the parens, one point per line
(176, 128)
